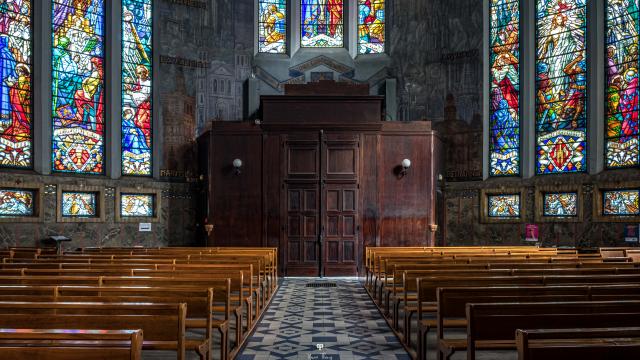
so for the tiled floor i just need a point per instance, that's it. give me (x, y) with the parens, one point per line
(322, 324)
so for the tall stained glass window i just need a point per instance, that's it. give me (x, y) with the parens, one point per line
(622, 83)
(371, 20)
(78, 86)
(321, 23)
(272, 26)
(504, 108)
(16, 136)
(561, 86)
(137, 115)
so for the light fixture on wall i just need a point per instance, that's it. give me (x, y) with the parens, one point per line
(237, 164)
(406, 164)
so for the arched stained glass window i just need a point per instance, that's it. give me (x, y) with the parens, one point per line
(321, 23)
(561, 86)
(504, 98)
(621, 72)
(78, 86)
(272, 26)
(137, 74)
(16, 127)
(371, 26)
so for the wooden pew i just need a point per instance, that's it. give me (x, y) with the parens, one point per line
(493, 325)
(163, 325)
(66, 344)
(584, 344)
(425, 288)
(452, 302)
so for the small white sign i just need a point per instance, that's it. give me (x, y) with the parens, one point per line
(144, 227)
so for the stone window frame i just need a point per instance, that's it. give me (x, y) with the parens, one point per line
(156, 205)
(42, 120)
(598, 191)
(100, 198)
(484, 205)
(596, 100)
(38, 210)
(539, 203)
(350, 36)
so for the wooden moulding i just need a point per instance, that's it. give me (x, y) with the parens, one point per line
(156, 205)
(598, 206)
(484, 205)
(539, 203)
(38, 211)
(100, 204)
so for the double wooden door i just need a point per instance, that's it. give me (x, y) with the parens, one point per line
(321, 204)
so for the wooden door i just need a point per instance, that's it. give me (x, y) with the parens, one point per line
(301, 204)
(340, 211)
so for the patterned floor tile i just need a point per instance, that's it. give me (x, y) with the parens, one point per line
(338, 323)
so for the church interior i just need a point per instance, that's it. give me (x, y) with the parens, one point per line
(319, 179)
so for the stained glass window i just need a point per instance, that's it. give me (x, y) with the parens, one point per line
(504, 206)
(16, 137)
(78, 86)
(272, 26)
(137, 205)
(321, 23)
(15, 202)
(561, 86)
(621, 202)
(504, 144)
(137, 29)
(371, 27)
(622, 83)
(79, 204)
(560, 204)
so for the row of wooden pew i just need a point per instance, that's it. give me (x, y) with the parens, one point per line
(475, 299)
(204, 301)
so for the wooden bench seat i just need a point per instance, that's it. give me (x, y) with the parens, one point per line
(70, 344)
(451, 312)
(584, 344)
(492, 326)
(163, 325)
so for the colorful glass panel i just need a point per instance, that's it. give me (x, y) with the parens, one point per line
(272, 26)
(79, 204)
(621, 202)
(504, 206)
(78, 86)
(371, 26)
(321, 23)
(561, 86)
(560, 204)
(137, 74)
(504, 99)
(16, 202)
(16, 127)
(136, 205)
(622, 83)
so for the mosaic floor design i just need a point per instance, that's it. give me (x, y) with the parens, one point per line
(338, 323)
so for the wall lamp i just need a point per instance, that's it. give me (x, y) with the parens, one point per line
(237, 164)
(406, 164)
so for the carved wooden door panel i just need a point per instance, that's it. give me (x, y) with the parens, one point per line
(301, 204)
(340, 220)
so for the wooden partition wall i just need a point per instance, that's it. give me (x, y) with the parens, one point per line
(321, 179)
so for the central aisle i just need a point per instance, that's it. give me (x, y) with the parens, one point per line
(342, 319)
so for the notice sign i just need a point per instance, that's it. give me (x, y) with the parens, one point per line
(144, 227)
(631, 233)
(531, 232)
